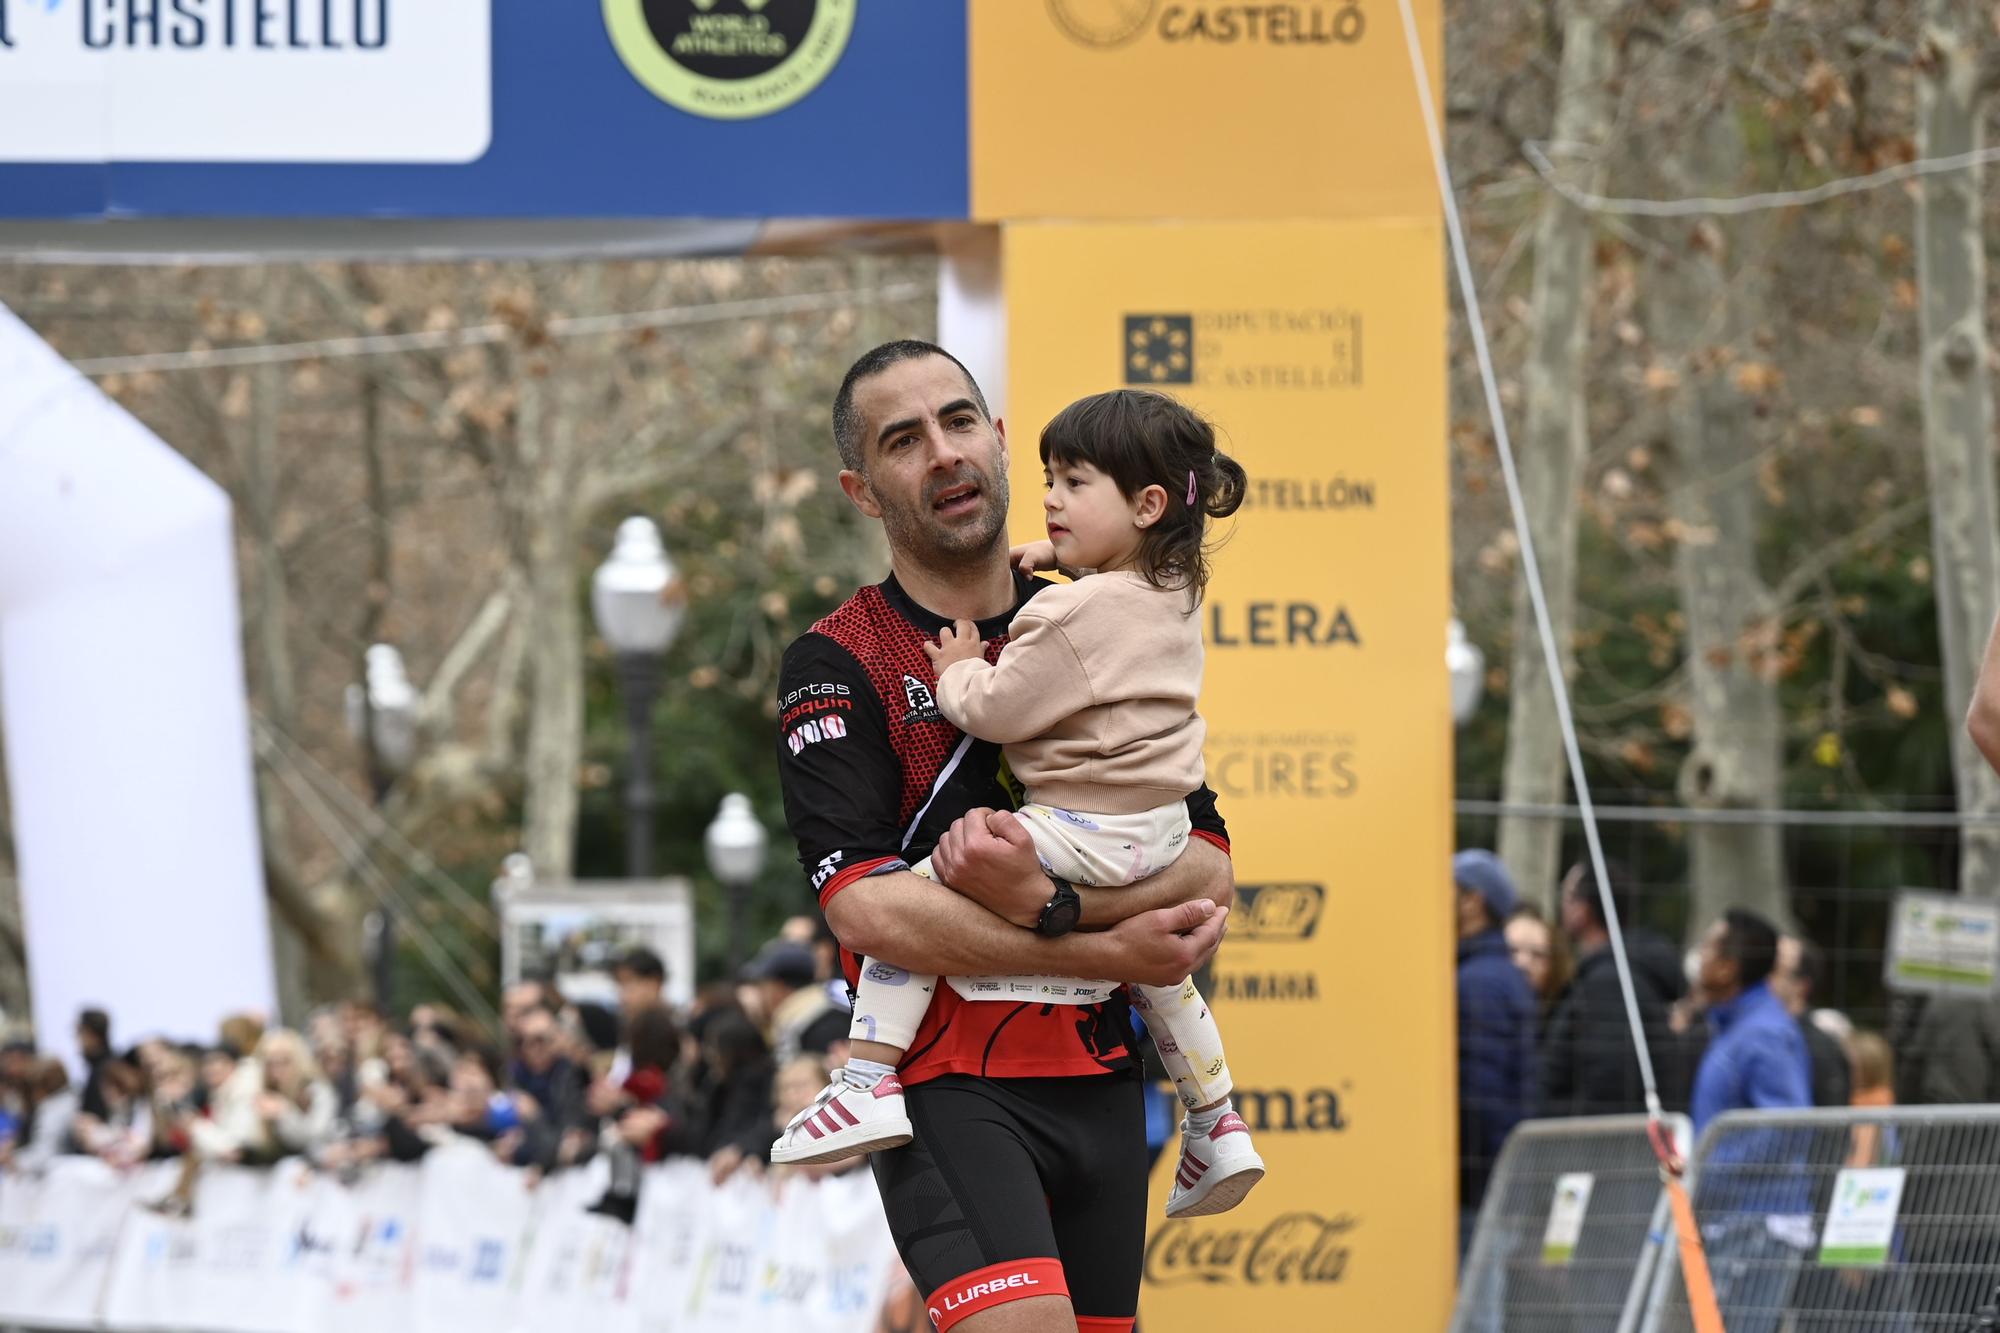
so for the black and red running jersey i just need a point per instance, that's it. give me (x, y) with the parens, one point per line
(873, 776)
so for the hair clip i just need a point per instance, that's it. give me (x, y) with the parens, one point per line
(1190, 498)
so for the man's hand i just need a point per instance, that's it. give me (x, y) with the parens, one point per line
(1163, 947)
(987, 856)
(957, 642)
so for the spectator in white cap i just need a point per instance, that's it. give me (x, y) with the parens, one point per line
(1497, 1016)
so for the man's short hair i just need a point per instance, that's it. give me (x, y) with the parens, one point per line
(847, 422)
(1752, 942)
(97, 1023)
(1593, 901)
(640, 962)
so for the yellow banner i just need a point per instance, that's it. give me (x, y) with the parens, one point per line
(1318, 349)
(1139, 109)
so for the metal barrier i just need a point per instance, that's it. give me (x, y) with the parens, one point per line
(1567, 1237)
(1878, 1220)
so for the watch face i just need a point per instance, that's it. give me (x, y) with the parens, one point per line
(1060, 916)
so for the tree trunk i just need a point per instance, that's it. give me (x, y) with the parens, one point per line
(1958, 438)
(316, 952)
(547, 531)
(1552, 450)
(1700, 303)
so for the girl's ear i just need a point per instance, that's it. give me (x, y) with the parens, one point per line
(1149, 506)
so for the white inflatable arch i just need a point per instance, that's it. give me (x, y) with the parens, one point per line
(127, 731)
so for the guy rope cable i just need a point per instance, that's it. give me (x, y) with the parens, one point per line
(1694, 1264)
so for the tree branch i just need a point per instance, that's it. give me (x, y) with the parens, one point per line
(464, 653)
(627, 471)
(1808, 572)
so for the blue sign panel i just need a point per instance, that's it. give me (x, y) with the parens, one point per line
(483, 108)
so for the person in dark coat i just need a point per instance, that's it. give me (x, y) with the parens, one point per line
(739, 1094)
(1497, 1017)
(1589, 1064)
(1796, 982)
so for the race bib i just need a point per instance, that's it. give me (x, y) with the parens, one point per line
(1038, 990)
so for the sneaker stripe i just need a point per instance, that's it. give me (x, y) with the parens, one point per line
(814, 1130)
(1195, 1165)
(839, 1108)
(827, 1122)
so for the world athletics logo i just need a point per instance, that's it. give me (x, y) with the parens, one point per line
(730, 59)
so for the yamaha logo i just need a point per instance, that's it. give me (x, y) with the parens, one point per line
(1102, 23)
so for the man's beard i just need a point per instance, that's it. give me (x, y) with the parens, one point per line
(917, 533)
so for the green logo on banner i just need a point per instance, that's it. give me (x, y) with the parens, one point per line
(730, 59)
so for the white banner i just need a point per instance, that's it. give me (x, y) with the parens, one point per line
(458, 1244)
(56, 1245)
(245, 80)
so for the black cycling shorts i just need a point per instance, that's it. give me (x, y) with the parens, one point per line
(1022, 1187)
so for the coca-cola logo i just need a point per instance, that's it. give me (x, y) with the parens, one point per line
(1294, 1249)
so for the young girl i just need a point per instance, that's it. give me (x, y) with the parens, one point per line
(1094, 704)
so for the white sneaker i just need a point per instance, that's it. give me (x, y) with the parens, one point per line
(1216, 1169)
(845, 1121)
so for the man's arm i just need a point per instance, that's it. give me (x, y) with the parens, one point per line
(1983, 722)
(989, 857)
(913, 922)
(1204, 870)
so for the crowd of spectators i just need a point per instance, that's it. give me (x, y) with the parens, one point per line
(558, 1084)
(1737, 1023)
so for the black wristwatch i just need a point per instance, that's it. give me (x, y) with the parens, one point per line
(1062, 913)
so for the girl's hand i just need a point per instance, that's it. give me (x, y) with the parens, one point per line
(958, 642)
(1029, 557)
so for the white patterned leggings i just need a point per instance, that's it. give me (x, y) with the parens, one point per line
(1102, 851)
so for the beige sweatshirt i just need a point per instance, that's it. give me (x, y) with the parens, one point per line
(1094, 697)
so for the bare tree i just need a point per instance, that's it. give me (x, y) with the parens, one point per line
(1553, 441)
(1955, 74)
(1704, 301)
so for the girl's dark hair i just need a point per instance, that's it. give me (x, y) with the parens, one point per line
(653, 1039)
(736, 1043)
(1138, 439)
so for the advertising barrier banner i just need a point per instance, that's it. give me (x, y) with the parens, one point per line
(1318, 349)
(457, 1244)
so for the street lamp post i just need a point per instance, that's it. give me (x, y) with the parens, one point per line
(382, 714)
(1467, 666)
(637, 602)
(735, 842)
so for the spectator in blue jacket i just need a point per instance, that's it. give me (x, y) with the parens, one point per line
(1497, 1018)
(1755, 1191)
(1756, 1057)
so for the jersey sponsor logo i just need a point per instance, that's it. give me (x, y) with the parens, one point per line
(1277, 911)
(812, 733)
(923, 704)
(818, 690)
(812, 706)
(829, 866)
